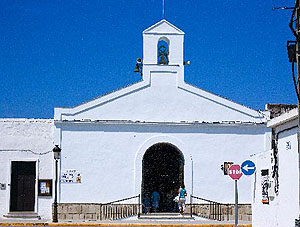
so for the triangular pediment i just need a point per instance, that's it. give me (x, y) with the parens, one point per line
(163, 27)
(145, 103)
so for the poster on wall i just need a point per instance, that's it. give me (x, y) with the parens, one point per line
(265, 186)
(45, 187)
(70, 176)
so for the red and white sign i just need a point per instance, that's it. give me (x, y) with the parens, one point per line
(235, 172)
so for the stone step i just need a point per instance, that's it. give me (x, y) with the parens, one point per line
(167, 216)
(22, 214)
(164, 214)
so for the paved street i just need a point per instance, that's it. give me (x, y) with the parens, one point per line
(163, 223)
(129, 224)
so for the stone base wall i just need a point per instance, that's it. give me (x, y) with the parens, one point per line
(223, 212)
(94, 211)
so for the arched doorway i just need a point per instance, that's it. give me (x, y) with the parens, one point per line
(163, 171)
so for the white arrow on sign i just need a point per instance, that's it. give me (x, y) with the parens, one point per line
(247, 167)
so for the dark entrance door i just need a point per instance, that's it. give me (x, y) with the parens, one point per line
(22, 192)
(163, 166)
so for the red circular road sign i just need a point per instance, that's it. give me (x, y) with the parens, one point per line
(235, 172)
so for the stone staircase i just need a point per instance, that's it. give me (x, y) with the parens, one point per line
(166, 216)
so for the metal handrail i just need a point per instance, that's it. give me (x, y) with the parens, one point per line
(206, 200)
(113, 211)
(121, 200)
(215, 208)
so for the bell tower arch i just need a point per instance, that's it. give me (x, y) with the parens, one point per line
(163, 51)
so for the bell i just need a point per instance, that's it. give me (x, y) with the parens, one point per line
(136, 68)
(162, 60)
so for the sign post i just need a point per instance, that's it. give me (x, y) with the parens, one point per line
(236, 203)
(235, 173)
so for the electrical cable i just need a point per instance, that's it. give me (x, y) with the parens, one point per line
(292, 21)
(296, 83)
(24, 150)
(295, 33)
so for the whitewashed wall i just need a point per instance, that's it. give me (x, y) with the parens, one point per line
(262, 214)
(26, 134)
(284, 207)
(109, 157)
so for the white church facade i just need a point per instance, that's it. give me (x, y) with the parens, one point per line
(152, 135)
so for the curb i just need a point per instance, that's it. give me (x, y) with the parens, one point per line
(123, 224)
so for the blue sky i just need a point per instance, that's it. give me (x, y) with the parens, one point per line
(62, 53)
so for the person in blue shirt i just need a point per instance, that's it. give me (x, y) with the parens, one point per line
(155, 201)
(182, 194)
(146, 204)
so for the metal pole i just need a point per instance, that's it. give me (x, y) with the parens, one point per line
(163, 9)
(191, 205)
(192, 176)
(139, 212)
(298, 89)
(192, 192)
(236, 209)
(55, 219)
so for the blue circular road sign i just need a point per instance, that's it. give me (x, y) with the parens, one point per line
(248, 167)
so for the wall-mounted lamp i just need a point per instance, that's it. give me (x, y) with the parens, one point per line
(186, 62)
(291, 48)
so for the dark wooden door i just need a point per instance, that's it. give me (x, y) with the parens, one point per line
(22, 193)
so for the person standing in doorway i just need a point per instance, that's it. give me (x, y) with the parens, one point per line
(182, 194)
(146, 203)
(175, 200)
(155, 201)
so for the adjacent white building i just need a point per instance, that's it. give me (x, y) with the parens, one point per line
(276, 183)
(25, 160)
(138, 139)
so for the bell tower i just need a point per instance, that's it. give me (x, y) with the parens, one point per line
(163, 53)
